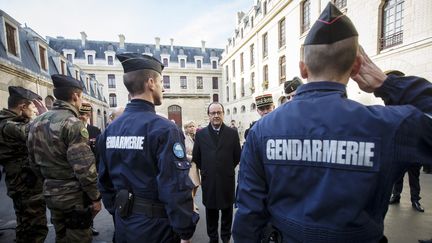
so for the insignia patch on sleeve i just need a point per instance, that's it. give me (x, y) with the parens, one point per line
(178, 151)
(84, 133)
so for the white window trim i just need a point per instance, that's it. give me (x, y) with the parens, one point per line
(168, 57)
(17, 40)
(69, 51)
(90, 53)
(179, 62)
(46, 57)
(214, 59)
(199, 58)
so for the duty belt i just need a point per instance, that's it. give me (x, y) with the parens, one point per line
(149, 208)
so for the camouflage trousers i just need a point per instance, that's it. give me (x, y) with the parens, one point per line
(59, 205)
(30, 208)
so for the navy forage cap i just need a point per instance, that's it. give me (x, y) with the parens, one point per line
(292, 85)
(20, 92)
(63, 81)
(135, 61)
(85, 108)
(330, 27)
(263, 100)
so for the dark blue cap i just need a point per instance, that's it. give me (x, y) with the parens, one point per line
(331, 26)
(63, 81)
(135, 61)
(23, 93)
(292, 85)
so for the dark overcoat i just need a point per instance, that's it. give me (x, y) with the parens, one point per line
(217, 155)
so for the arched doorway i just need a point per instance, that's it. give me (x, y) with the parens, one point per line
(175, 114)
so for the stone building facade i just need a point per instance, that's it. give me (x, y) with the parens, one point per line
(27, 60)
(266, 46)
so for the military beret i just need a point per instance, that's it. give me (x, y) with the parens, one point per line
(20, 92)
(135, 61)
(263, 100)
(85, 108)
(63, 81)
(292, 85)
(331, 26)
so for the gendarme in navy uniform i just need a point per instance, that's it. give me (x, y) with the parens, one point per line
(143, 173)
(325, 174)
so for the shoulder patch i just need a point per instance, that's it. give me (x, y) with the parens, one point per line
(178, 150)
(84, 132)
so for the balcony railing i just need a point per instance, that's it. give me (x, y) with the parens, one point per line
(391, 40)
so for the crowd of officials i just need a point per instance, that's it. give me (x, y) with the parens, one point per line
(295, 183)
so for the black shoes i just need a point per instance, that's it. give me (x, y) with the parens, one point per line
(394, 200)
(94, 231)
(417, 206)
(425, 241)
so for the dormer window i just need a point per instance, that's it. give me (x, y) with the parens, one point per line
(63, 67)
(214, 64)
(11, 38)
(199, 64)
(43, 58)
(69, 57)
(110, 60)
(165, 62)
(182, 63)
(90, 59)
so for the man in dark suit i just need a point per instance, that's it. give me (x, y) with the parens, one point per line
(85, 113)
(217, 152)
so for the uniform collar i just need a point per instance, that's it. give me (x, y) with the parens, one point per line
(321, 86)
(6, 113)
(63, 105)
(139, 104)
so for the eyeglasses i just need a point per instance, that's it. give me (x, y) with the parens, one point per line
(213, 113)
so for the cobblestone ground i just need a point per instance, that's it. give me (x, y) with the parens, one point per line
(402, 224)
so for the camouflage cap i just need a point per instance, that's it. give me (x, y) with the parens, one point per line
(263, 100)
(20, 92)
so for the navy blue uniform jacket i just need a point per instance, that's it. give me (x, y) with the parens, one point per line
(140, 152)
(326, 173)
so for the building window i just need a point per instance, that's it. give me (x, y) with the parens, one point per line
(340, 3)
(242, 88)
(214, 64)
(166, 82)
(234, 110)
(198, 64)
(215, 98)
(175, 114)
(305, 20)
(228, 112)
(165, 62)
(11, 36)
(69, 57)
(215, 82)
(77, 74)
(282, 33)
(227, 73)
(227, 94)
(252, 84)
(252, 54)
(113, 100)
(182, 63)
(252, 21)
(110, 60)
(111, 81)
(265, 7)
(242, 109)
(92, 76)
(392, 32)
(199, 81)
(265, 83)
(62, 66)
(265, 45)
(183, 82)
(252, 107)
(42, 57)
(90, 59)
(233, 68)
(282, 69)
(234, 90)
(241, 62)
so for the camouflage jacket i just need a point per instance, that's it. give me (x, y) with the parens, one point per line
(58, 148)
(13, 136)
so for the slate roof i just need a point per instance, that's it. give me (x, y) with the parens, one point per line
(100, 47)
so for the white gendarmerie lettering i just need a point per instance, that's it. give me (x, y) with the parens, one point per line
(323, 151)
(125, 142)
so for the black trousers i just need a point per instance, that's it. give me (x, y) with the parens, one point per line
(212, 220)
(414, 183)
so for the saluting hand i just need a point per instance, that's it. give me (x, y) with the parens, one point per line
(370, 76)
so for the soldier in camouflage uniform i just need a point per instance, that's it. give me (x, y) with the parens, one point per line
(23, 186)
(58, 146)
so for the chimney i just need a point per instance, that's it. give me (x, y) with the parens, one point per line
(203, 46)
(157, 40)
(83, 38)
(122, 41)
(172, 44)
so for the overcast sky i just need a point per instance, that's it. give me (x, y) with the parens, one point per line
(187, 21)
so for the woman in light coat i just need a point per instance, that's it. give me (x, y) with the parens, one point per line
(190, 130)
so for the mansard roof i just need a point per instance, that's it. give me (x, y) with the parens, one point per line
(101, 46)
